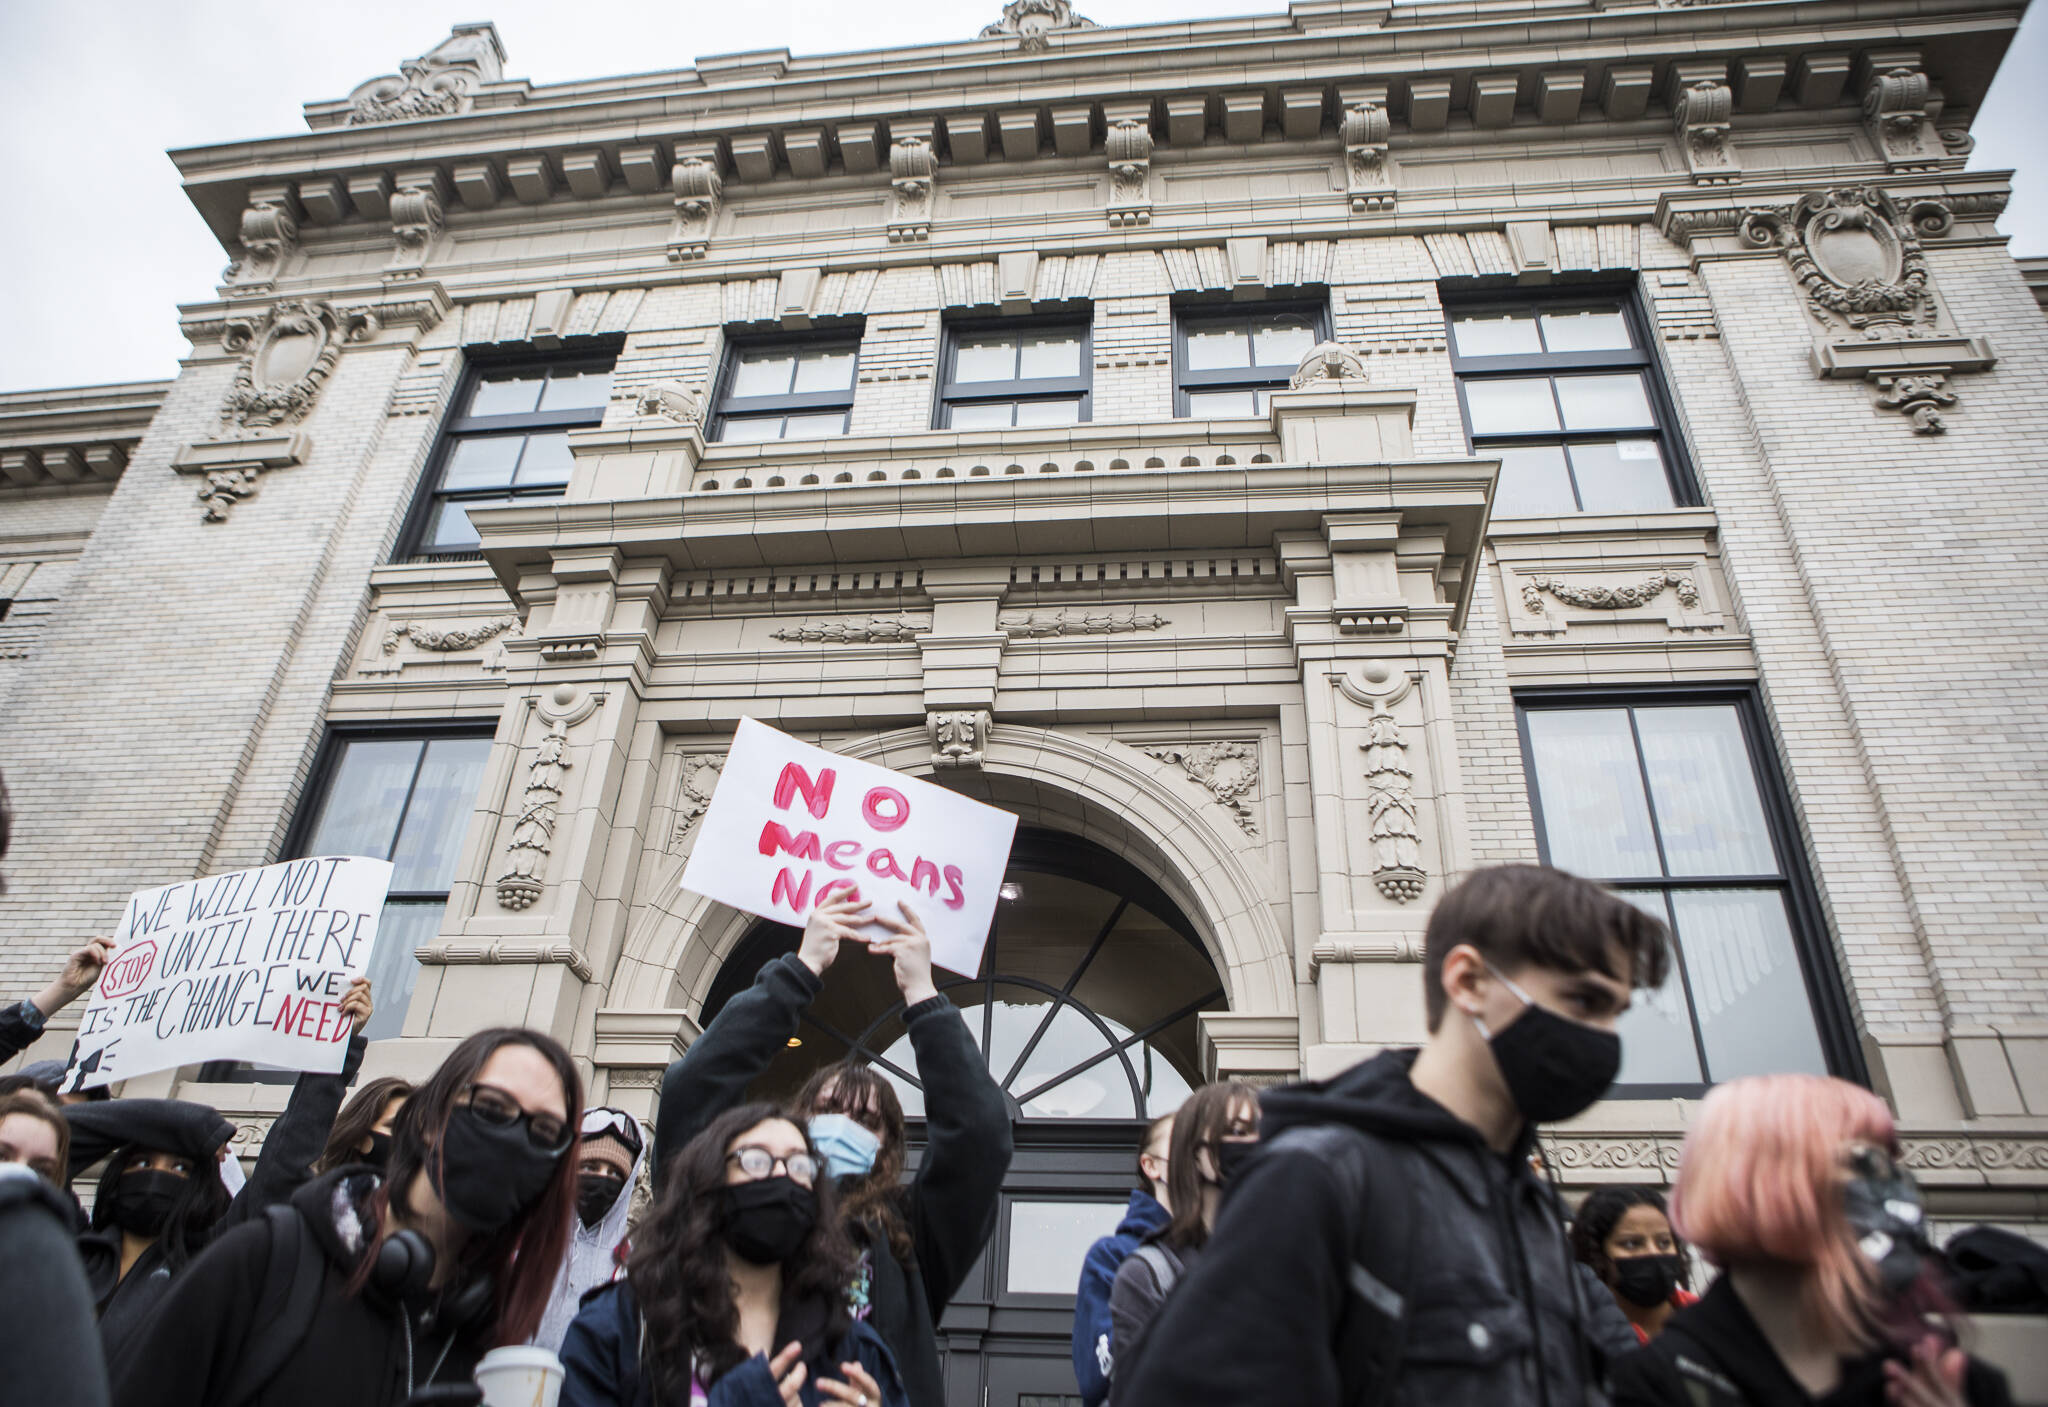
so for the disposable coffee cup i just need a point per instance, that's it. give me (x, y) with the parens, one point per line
(520, 1376)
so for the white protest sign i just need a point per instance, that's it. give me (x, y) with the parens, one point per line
(244, 966)
(792, 824)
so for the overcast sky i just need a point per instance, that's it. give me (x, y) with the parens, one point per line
(100, 245)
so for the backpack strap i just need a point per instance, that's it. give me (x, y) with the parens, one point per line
(1164, 1265)
(292, 1283)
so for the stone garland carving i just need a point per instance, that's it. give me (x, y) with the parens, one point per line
(959, 737)
(440, 83)
(1608, 598)
(417, 220)
(1702, 116)
(268, 236)
(1857, 258)
(287, 355)
(670, 400)
(1033, 626)
(1129, 146)
(1390, 802)
(1365, 129)
(1230, 771)
(1327, 361)
(222, 489)
(875, 630)
(698, 190)
(913, 172)
(701, 771)
(1031, 20)
(526, 853)
(1919, 396)
(635, 1077)
(440, 640)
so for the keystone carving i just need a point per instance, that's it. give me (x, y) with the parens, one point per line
(1702, 115)
(1365, 129)
(439, 83)
(1919, 396)
(670, 400)
(701, 771)
(540, 807)
(1230, 771)
(287, 355)
(1129, 144)
(1032, 625)
(1895, 110)
(698, 190)
(959, 737)
(1390, 803)
(913, 172)
(268, 236)
(416, 222)
(1327, 361)
(875, 630)
(1031, 20)
(1608, 598)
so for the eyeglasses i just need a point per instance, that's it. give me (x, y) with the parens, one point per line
(757, 1162)
(500, 1110)
(616, 1122)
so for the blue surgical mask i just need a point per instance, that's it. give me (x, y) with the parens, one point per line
(849, 1148)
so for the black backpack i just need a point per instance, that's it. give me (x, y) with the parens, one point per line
(292, 1284)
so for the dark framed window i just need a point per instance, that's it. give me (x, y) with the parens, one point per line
(506, 442)
(998, 376)
(786, 390)
(1673, 799)
(1228, 364)
(1566, 392)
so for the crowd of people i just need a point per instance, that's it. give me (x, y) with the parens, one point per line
(1387, 1236)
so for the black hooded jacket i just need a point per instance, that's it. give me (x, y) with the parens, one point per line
(950, 1206)
(1456, 1277)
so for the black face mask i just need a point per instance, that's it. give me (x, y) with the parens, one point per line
(1554, 1067)
(1646, 1281)
(489, 1173)
(1230, 1159)
(143, 1199)
(379, 1155)
(1883, 1205)
(596, 1194)
(765, 1221)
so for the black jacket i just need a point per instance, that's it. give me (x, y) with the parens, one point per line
(20, 1025)
(353, 1354)
(950, 1206)
(50, 1352)
(1490, 1310)
(1712, 1354)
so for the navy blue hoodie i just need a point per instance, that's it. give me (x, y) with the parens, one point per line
(1092, 1348)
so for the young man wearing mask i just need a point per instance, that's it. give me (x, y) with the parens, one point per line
(1389, 1242)
(608, 1163)
(1094, 1354)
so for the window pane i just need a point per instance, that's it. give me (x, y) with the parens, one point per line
(511, 393)
(1704, 786)
(1049, 1240)
(1048, 412)
(1587, 330)
(989, 415)
(1746, 985)
(1221, 405)
(1657, 1045)
(392, 969)
(366, 799)
(1621, 476)
(1215, 348)
(825, 371)
(802, 427)
(1508, 335)
(1533, 482)
(1516, 407)
(577, 390)
(1591, 789)
(1052, 354)
(1282, 341)
(482, 462)
(441, 802)
(751, 429)
(985, 359)
(448, 527)
(762, 374)
(547, 460)
(1604, 402)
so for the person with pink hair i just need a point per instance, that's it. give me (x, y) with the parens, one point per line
(1829, 1293)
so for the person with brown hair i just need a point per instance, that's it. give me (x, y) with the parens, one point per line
(33, 1133)
(362, 1130)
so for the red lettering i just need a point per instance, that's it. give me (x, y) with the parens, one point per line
(954, 899)
(803, 845)
(284, 1015)
(787, 891)
(817, 793)
(833, 886)
(838, 848)
(305, 1013)
(884, 864)
(871, 808)
(921, 872)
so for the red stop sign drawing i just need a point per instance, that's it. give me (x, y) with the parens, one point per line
(129, 970)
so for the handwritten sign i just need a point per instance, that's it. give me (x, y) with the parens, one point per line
(791, 825)
(244, 966)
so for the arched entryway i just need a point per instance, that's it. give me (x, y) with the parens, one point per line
(1086, 1010)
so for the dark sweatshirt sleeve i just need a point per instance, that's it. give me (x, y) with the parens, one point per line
(174, 1125)
(1092, 1339)
(1259, 1310)
(1645, 1378)
(594, 1370)
(50, 1353)
(20, 1025)
(296, 1141)
(967, 1149)
(715, 1072)
(184, 1354)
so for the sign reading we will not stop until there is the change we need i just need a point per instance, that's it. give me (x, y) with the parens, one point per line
(791, 825)
(250, 965)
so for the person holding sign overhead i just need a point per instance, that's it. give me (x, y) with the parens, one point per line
(915, 1242)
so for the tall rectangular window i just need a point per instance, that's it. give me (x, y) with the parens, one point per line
(1671, 804)
(786, 390)
(1004, 377)
(1228, 364)
(1566, 394)
(507, 442)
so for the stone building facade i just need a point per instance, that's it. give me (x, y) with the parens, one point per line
(1288, 461)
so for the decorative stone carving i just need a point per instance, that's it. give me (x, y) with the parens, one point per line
(698, 189)
(1895, 109)
(439, 83)
(700, 774)
(875, 630)
(1390, 804)
(222, 489)
(913, 171)
(287, 355)
(499, 951)
(1359, 948)
(417, 220)
(1365, 129)
(440, 640)
(1611, 1154)
(1032, 625)
(1031, 20)
(1919, 396)
(1129, 146)
(1230, 771)
(631, 1078)
(268, 236)
(526, 853)
(670, 400)
(1608, 598)
(1327, 361)
(1702, 114)
(959, 737)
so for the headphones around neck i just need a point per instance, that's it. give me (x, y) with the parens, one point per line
(403, 1272)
